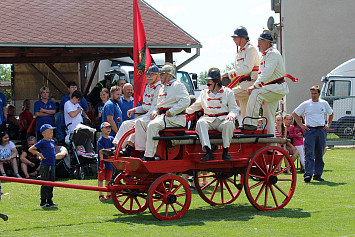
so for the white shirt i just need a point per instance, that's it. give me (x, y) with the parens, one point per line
(150, 98)
(222, 103)
(314, 112)
(6, 151)
(173, 95)
(69, 107)
(245, 60)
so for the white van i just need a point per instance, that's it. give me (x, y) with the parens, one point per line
(339, 90)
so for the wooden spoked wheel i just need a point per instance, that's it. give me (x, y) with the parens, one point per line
(128, 201)
(266, 187)
(169, 197)
(218, 188)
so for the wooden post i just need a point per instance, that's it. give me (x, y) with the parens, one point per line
(93, 72)
(169, 57)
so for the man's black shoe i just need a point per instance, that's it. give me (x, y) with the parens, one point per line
(307, 179)
(126, 151)
(318, 178)
(249, 127)
(225, 155)
(148, 159)
(208, 156)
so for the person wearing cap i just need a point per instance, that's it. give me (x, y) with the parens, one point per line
(173, 99)
(111, 111)
(149, 101)
(47, 157)
(269, 87)
(220, 111)
(104, 142)
(246, 67)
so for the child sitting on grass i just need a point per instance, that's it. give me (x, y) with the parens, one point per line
(47, 157)
(104, 142)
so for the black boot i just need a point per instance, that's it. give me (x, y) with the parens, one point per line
(225, 155)
(208, 156)
(126, 151)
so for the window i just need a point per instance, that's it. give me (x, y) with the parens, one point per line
(338, 88)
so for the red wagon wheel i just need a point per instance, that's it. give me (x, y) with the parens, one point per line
(266, 188)
(128, 201)
(169, 197)
(218, 188)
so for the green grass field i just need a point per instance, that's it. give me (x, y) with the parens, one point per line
(316, 209)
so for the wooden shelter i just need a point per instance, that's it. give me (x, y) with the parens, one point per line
(55, 39)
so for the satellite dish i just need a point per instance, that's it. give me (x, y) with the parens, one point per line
(270, 23)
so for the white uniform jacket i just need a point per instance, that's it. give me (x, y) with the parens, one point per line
(174, 97)
(150, 98)
(246, 60)
(271, 68)
(215, 105)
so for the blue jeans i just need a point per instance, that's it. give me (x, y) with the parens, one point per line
(314, 144)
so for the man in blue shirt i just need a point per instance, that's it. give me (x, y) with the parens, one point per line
(44, 110)
(72, 86)
(126, 101)
(111, 112)
(3, 112)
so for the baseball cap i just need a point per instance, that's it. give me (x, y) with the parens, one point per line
(105, 124)
(44, 127)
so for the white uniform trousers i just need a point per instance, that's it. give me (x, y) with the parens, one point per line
(125, 126)
(225, 126)
(152, 130)
(139, 137)
(270, 101)
(241, 94)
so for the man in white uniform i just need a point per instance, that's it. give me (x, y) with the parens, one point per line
(148, 105)
(270, 85)
(315, 132)
(220, 111)
(246, 66)
(173, 99)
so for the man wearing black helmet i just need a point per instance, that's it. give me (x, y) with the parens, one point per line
(270, 85)
(173, 99)
(246, 66)
(148, 105)
(220, 111)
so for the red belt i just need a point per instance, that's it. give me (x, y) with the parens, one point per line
(216, 115)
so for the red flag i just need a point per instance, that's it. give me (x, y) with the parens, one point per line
(141, 55)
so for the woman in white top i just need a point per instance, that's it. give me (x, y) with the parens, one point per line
(8, 154)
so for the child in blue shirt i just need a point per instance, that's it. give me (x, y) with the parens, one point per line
(47, 157)
(104, 142)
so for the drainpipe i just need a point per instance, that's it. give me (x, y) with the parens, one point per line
(189, 59)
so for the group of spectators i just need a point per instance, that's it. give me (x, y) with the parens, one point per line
(72, 110)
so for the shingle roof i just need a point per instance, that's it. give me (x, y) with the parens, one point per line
(79, 23)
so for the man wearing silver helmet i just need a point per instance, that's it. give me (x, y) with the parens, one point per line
(172, 101)
(270, 85)
(148, 105)
(246, 67)
(220, 111)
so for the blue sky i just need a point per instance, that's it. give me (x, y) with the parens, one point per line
(212, 23)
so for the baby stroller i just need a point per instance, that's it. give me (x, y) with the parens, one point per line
(85, 161)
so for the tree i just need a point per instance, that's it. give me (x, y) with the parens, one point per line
(201, 78)
(5, 75)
